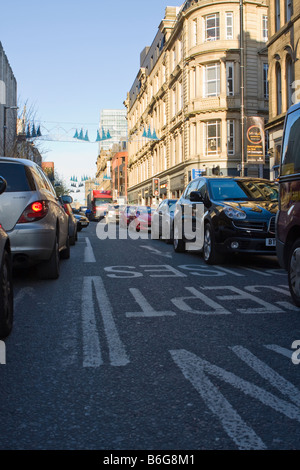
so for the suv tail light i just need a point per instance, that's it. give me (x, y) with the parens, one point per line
(34, 211)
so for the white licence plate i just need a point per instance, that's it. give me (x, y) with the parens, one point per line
(83, 223)
(270, 241)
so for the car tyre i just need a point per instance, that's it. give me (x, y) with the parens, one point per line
(50, 269)
(178, 244)
(6, 296)
(210, 254)
(65, 254)
(294, 272)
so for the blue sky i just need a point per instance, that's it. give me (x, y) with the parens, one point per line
(72, 58)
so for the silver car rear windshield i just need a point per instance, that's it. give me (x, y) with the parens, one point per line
(18, 177)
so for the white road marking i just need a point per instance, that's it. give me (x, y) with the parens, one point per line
(194, 369)
(287, 305)
(156, 252)
(91, 346)
(180, 302)
(91, 343)
(230, 271)
(283, 351)
(117, 353)
(284, 386)
(89, 256)
(147, 310)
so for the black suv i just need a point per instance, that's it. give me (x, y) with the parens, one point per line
(239, 216)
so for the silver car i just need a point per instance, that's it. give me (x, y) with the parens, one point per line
(33, 217)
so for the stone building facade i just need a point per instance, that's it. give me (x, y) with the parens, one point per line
(8, 100)
(284, 70)
(187, 93)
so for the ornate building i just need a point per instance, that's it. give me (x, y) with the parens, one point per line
(184, 107)
(284, 70)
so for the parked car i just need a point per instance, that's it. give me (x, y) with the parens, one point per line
(82, 221)
(239, 216)
(33, 217)
(288, 217)
(162, 219)
(6, 282)
(126, 216)
(66, 201)
(143, 215)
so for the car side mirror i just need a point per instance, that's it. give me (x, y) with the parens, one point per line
(196, 196)
(3, 185)
(67, 199)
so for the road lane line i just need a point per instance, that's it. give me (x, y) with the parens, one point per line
(91, 345)
(147, 310)
(229, 271)
(257, 272)
(117, 353)
(156, 252)
(89, 256)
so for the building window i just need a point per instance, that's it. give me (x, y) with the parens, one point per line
(195, 32)
(229, 24)
(174, 57)
(212, 27)
(277, 15)
(212, 80)
(174, 101)
(278, 89)
(212, 138)
(288, 10)
(265, 28)
(180, 96)
(289, 80)
(230, 78)
(179, 49)
(163, 73)
(230, 137)
(265, 80)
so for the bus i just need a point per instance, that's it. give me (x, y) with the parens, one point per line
(97, 202)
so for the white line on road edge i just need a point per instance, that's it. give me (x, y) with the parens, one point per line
(91, 345)
(117, 353)
(147, 310)
(156, 252)
(194, 369)
(21, 294)
(229, 271)
(89, 256)
(283, 351)
(257, 271)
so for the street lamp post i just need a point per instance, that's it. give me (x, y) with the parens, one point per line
(5, 126)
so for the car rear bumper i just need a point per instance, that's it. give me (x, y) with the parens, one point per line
(30, 245)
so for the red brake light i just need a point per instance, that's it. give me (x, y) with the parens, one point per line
(34, 211)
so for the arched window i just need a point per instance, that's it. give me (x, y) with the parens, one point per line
(278, 89)
(289, 80)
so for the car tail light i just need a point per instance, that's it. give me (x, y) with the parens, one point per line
(34, 211)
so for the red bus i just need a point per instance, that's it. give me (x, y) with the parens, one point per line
(98, 202)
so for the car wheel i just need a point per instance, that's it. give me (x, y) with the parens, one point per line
(72, 240)
(65, 254)
(178, 243)
(169, 240)
(294, 272)
(210, 254)
(50, 269)
(6, 296)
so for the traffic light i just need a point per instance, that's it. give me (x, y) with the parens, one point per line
(156, 187)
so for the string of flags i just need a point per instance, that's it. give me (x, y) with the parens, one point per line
(150, 135)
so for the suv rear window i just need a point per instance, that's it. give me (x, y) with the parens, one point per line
(17, 176)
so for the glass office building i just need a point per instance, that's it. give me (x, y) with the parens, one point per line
(114, 122)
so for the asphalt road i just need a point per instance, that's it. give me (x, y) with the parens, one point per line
(137, 347)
